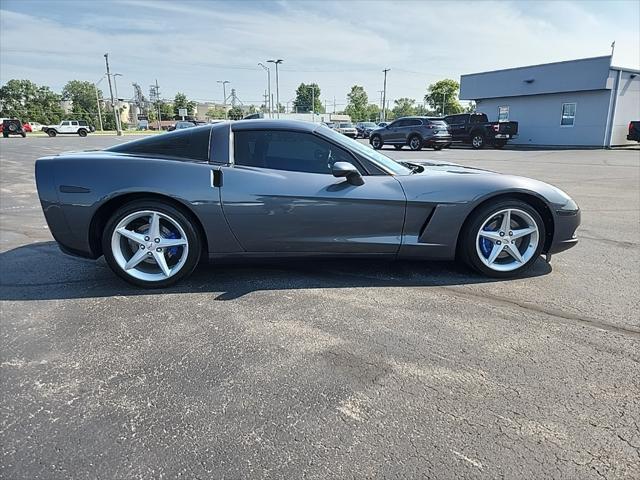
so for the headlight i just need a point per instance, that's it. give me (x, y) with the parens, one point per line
(570, 206)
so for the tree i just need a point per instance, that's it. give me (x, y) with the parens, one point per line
(83, 98)
(216, 113)
(442, 97)
(181, 101)
(404, 107)
(236, 113)
(27, 101)
(304, 96)
(357, 106)
(373, 113)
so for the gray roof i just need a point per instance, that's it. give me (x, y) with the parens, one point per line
(569, 76)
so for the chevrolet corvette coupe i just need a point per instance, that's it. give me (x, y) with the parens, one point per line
(273, 188)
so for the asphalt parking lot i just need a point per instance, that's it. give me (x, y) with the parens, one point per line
(332, 369)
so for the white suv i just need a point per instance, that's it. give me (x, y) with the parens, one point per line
(68, 127)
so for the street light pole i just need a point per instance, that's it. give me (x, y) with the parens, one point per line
(115, 109)
(224, 95)
(277, 62)
(269, 88)
(384, 96)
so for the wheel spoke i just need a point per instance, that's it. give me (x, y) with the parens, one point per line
(514, 252)
(172, 242)
(162, 263)
(523, 232)
(495, 251)
(506, 221)
(131, 235)
(491, 235)
(154, 225)
(139, 256)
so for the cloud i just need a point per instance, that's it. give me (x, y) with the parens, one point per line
(187, 46)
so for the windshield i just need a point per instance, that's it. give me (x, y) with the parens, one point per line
(367, 152)
(369, 124)
(346, 125)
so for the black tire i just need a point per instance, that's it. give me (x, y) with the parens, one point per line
(5, 134)
(467, 251)
(398, 147)
(52, 133)
(415, 143)
(499, 144)
(376, 142)
(185, 221)
(477, 141)
(24, 135)
(82, 132)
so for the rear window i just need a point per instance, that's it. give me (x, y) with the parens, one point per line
(346, 125)
(438, 123)
(189, 143)
(479, 118)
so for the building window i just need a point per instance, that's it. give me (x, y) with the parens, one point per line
(568, 114)
(503, 113)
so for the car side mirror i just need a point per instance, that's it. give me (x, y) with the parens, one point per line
(347, 170)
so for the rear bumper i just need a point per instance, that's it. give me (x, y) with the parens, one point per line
(442, 140)
(564, 235)
(633, 137)
(505, 136)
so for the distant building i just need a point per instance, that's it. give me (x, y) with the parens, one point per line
(202, 109)
(584, 102)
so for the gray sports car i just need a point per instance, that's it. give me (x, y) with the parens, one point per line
(271, 188)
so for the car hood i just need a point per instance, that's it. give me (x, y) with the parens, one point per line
(453, 183)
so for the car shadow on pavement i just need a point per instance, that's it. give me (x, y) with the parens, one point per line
(40, 271)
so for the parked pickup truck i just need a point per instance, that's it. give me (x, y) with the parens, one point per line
(634, 131)
(476, 129)
(69, 127)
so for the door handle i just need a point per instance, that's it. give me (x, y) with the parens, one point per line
(215, 178)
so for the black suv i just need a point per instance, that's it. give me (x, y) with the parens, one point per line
(12, 127)
(417, 132)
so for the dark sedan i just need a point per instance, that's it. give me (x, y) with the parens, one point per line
(364, 129)
(416, 132)
(273, 188)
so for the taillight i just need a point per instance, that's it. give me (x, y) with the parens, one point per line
(630, 127)
(496, 127)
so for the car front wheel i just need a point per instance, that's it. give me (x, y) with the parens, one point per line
(82, 132)
(503, 239)
(376, 142)
(151, 244)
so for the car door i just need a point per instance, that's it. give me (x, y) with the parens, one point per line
(457, 126)
(280, 196)
(65, 127)
(394, 132)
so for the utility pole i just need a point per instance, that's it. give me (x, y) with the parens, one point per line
(224, 95)
(116, 111)
(268, 86)
(95, 85)
(384, 95)
(334, 104)
(444, 101)
(277, 62)
(313, 102)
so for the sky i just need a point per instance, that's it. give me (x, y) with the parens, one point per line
(189, 45)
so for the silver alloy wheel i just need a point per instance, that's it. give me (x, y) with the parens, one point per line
(149, 245)
(414, 143)
(375, 141)
(507, 240)
(477, 141)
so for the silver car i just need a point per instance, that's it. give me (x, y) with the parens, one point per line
(272, 188)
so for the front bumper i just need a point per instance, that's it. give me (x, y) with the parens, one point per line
(564, 235)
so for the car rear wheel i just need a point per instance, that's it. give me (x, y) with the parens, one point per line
(503, 239)
(415, 143)
(82, 132)
(477, 141)
(376, 142)
(51, 133)
(151, 244)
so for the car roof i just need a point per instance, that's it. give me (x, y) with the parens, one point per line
(263, 124)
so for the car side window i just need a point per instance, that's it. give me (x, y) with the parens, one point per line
(64, 124)
(285, 150)
(75, 124)
(415, 122)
